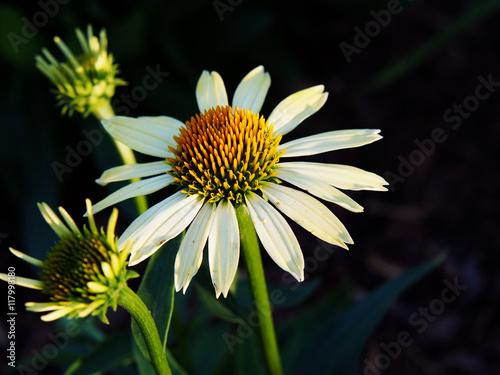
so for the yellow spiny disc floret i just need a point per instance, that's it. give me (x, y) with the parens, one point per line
(223, 153)
(72, 263)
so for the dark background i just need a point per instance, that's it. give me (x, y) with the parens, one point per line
(428, 58)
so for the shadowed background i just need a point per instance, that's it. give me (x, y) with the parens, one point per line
(412, 69)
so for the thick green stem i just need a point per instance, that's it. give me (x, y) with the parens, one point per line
(251, 253)
(135, 307)
(126, 154)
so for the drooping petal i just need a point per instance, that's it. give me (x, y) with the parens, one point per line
(143, 134)
(320, 189)
(338, 175)
(69, 221)
(130, 171)
(190, 254)
(142, 187)
(276, 236)
(223, 247)
(24, 281)
(136, 228)
(296, 108)
(308, 212)
(210, 91)
(42, 306)
(26, 258)
(54, 315)
(252, 90)
(160, 224)
(329, 141)
(55, 223)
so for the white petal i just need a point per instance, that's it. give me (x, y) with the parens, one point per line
(276, 236)
(142, 187)
(223, 247)
(160, 224)
(252, 90)
(320, 189)
(329, 141)
(149, 217)
(210, 91)
(308, 212)
(150, 137)
(190, 254)
(338, 175)
(130, 171)
(296, 108)
(169, 124)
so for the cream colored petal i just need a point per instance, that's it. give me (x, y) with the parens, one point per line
(87, 310)
(55, 223)
(308, 212)
(97, 288)
(42, 306)
(170, 125)
(26, 258)
(130, 171)
(296, 108)
(23, 281)
(223, 248)
(142, 187)
(69, 221)
(143, 135)
(210, 91)
(152, 216)
(54, 315)
(276, 236)
(252, 90)
(338, 175)
(160, 224)
(320, 189)
(190, 254)
(329, 141)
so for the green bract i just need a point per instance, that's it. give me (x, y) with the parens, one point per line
(84, 272)
(85, 82)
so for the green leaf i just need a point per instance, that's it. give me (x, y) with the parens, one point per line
(224, 308)
(296, 332)
(280, 295)
(110, 354)
(157, 292)
(249, 359)
(145, 367)
(336, 346)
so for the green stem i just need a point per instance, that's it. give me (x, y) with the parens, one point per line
(135, 307)
(251, 252)
(127, 155)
